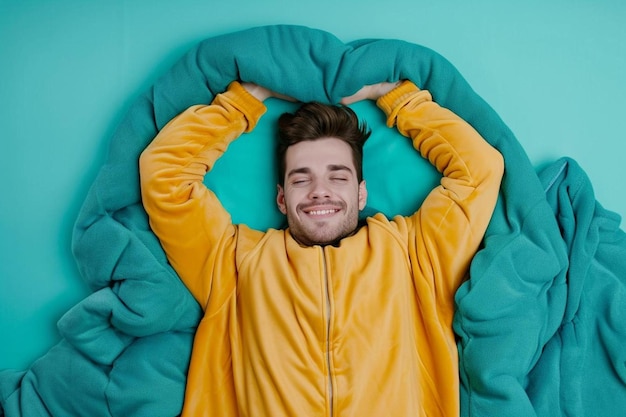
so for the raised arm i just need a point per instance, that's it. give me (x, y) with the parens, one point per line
(446, 231)
(195, 230)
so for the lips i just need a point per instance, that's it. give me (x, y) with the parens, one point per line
(321, 212)
(318, 210)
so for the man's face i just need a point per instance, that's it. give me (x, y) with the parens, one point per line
(321, 196)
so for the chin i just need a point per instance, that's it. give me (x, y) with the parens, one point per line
(321, 236)
(324, 240)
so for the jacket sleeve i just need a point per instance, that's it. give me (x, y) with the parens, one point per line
(194, 229)
(446, 231)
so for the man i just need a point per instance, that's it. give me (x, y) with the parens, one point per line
(325, 318)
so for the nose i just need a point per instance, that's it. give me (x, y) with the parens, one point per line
(319, 190)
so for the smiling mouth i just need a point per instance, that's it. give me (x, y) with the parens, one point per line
(322, 212)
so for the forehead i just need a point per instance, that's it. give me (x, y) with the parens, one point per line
(319, 153)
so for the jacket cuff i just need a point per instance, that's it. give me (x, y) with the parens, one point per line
(246, 103)
(393, 101)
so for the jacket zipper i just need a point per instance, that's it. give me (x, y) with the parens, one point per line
(328, 315)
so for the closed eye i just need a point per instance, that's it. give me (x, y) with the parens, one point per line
(300, 181)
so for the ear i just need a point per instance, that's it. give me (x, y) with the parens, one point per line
(362, 195)
(280, 199)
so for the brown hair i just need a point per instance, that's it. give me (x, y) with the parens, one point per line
(316, 120)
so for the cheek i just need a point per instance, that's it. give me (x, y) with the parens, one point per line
(292, 197)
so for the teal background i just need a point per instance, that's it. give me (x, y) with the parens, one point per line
(69, 70)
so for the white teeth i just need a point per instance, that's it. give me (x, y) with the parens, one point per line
(321, 212)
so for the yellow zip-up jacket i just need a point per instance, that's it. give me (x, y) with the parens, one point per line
(359, 329)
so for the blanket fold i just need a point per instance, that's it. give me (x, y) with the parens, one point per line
(538, 320)
(582, 369)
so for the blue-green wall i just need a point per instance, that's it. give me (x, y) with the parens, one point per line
(69, 69)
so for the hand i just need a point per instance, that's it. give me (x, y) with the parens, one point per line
(370, 92)
(261, 93)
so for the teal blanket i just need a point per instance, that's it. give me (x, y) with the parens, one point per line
(540, 321)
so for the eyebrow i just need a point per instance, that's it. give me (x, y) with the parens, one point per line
(331, 167)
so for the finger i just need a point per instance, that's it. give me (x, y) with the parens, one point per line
(348, 100)
(362, 94)
(285, 97)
